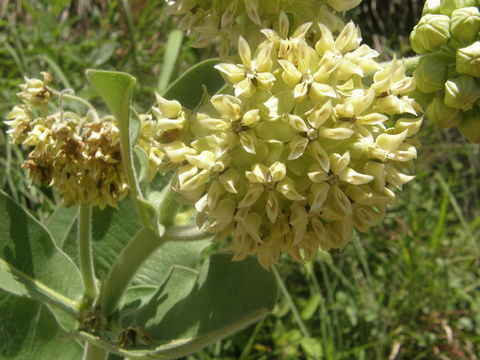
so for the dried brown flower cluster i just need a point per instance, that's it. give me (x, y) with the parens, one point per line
(80, 158)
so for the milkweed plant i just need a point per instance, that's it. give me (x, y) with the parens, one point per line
(294, 138)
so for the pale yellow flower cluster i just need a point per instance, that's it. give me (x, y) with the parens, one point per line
(224, 21)
(311, 145)
(160, 136)
(80, 158)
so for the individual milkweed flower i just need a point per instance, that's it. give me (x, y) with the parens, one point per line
(19, 120)
(271, 180)
(252, 73)
(34, 91)
(284, 44)
(296, 167)
(235, 122)
(223, 22)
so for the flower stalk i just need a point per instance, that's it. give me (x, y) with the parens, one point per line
(135, 253)
(85, 251)
(72, 97)
(142, 245)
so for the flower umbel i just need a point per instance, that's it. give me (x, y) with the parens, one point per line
(294, 164)
(224, 22)
(79, 156)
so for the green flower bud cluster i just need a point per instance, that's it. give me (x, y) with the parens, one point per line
(305, 149)
(79, 156)
(224, 21)
(448, 37)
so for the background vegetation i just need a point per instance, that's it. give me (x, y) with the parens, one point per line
(409, 289)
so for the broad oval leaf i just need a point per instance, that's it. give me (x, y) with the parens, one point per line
(188, 89)
(115, 88)
(29, 331)
(31, 264)
(191, 310)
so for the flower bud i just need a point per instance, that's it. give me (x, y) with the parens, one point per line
(430, 74)
(468, 60)
(448, 6)
(35, 92)
(431, 7)
(343, 5)
(421, 98)
(461, 92)
(465, 24)
(442, 115)
(470, 126)
(170, 109)
(430, 33)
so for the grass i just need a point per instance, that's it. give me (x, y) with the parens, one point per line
(407, 289)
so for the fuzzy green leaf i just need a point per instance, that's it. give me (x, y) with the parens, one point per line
(115, 88)
(191, 310)
(61, 223)
(29, 331)
(188, 89)
(31, 264)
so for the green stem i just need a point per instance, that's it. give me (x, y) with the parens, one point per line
(291, 304)
(410, 63)
(92, 352)
(139, 249)
(77, 99)
(167, 206)
(85, 251)
(186, 233)
(128, 166)
(125, 266)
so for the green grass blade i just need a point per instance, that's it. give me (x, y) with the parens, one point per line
(13, 53)
(456, 207)
(172, 49)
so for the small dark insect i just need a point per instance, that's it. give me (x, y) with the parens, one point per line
(170, 135)
(93, 319)
(133, 336)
